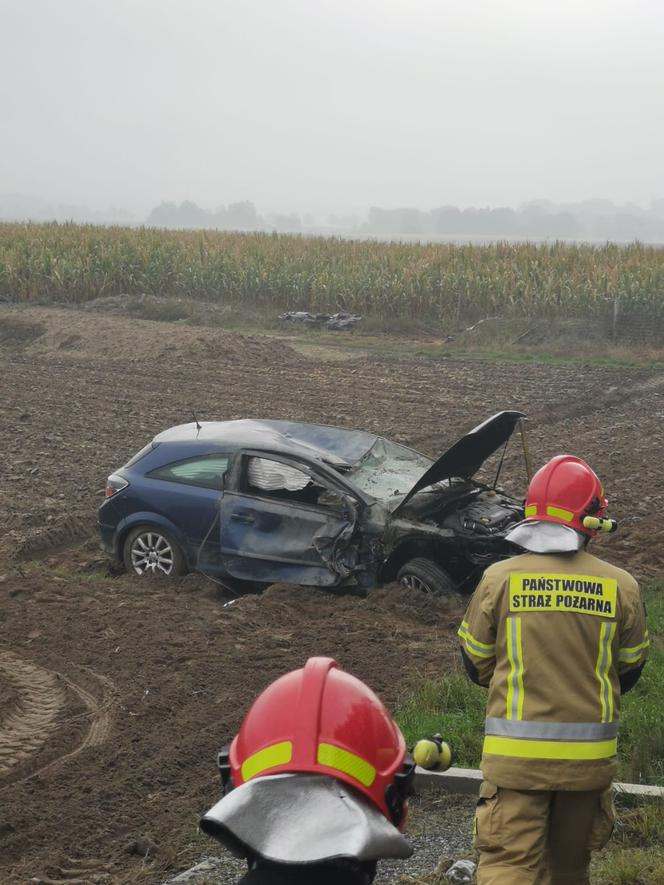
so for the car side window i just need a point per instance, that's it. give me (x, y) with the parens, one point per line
(274, 479)
(206, 472)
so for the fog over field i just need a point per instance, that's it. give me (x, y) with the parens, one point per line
(325, 109)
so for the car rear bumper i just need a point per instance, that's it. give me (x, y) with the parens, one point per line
(107, 539)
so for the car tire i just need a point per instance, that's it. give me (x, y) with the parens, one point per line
(149, 550)
(426, 576)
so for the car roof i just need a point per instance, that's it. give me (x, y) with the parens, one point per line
(319, 442)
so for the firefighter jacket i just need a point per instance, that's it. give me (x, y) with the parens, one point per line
(550, 635)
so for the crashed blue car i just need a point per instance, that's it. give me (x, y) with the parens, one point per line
(261, 501)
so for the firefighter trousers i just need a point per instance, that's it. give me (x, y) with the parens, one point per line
(533, 837)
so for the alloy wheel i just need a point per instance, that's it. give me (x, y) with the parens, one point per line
(415, 583)
(151, 553)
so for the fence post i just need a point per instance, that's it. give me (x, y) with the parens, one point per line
(616, 311)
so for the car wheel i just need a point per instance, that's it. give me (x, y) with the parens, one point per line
(426, 576)
(152, 551)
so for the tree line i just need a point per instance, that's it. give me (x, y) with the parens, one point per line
(590, 220)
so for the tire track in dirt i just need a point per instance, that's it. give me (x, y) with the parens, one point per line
(614, 396)
(77, 871)
(101, 720)
(52, 537)
(42, 695)
(32, 717)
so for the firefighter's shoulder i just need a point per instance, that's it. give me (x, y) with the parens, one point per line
(626, 582)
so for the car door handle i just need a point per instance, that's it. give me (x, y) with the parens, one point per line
(247, 518)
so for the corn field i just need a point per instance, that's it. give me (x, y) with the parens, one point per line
(442, 283)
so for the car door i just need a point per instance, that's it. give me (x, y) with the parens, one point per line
(187, 492)
(282, 520)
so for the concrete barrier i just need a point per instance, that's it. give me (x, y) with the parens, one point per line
(467, 780)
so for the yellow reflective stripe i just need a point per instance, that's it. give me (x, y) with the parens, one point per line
(348, 763)
(603, 667)
(609, 664)
(559, 513)
(634, 652)
(475, 648)
(465, 632)
(519, 660)
(608, 681)
(631, 659)
(531, 510)
(268, 757)
(526, 749)
(476, 653)
(600, 667)
(515, 676)
(512, 670)
(551, 731)
(633, 655)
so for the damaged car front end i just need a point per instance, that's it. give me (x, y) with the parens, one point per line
(448, 527)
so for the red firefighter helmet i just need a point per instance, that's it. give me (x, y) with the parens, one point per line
(322, 720)
(564, 491)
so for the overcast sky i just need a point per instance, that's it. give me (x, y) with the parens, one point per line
(331, 105)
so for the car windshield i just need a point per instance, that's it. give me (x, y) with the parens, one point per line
(388, 469)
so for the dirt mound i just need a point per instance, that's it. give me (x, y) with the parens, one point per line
(60, 332)
(17, 333)
(50, 538)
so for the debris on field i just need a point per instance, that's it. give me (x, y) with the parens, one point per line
(335, 321)
(201, 873)
(143, 847)
(461, 872)
(475, 326)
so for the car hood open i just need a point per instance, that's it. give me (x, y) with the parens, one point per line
(468, 454)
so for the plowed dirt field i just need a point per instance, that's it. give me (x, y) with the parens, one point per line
(115, 693)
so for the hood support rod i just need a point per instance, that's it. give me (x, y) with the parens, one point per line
(500, 465)
(526, 453)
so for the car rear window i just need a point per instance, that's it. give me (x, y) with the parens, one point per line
(206, 472)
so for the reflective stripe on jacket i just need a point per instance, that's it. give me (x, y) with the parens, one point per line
(549, 634)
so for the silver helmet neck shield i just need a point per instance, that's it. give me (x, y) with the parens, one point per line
(300, 819)
(546, 537)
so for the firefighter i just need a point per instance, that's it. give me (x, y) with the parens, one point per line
(557, 635)
(316, 782)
